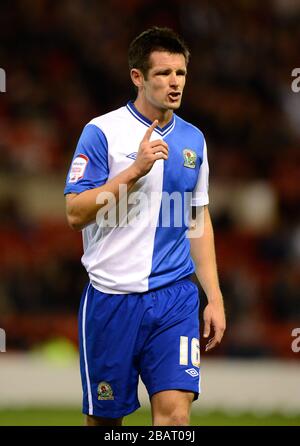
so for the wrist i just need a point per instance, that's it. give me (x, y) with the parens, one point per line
(214, 297)
(135, 172)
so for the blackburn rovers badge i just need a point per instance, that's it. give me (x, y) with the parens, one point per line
(105, 391)
(190, 158)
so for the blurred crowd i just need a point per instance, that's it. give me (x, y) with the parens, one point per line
(66, 62)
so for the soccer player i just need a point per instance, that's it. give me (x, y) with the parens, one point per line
(139, 312)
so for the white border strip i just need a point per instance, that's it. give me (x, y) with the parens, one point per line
(264, 385)
(91, 409)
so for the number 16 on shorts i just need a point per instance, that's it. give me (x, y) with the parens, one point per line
(194, 351)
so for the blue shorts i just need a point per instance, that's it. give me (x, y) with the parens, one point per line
(154, 335)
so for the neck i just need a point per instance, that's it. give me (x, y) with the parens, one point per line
(151, 112)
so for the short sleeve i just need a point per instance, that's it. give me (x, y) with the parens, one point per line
(200, 193)
(89, 167)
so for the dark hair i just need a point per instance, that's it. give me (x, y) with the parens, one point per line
(154, 39)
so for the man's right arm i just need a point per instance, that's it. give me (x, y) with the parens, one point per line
(82, 208)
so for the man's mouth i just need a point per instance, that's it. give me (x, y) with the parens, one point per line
(175, 95)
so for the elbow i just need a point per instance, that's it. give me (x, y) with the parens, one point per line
(73, 214)
(74, 223)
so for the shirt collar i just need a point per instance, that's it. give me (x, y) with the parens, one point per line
(162, 131)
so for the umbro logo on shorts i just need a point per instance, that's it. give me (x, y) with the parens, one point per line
(192, 372)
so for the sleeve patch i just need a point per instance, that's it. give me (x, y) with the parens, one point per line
(78, 168)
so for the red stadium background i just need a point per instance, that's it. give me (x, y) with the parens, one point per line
(65, 63)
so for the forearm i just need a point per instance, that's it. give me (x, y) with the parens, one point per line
(203, 253)
(82, 208)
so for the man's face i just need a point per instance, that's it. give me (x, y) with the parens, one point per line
(165, 80)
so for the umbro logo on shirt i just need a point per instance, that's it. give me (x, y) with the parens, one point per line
(192, 372)
(132, 155)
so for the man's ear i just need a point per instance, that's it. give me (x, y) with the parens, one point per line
(137, 77)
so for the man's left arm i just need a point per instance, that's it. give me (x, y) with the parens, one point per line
(203, 253)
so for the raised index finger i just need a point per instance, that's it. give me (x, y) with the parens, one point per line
(149, 131)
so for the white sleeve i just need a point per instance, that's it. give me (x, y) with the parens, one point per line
(200, 193)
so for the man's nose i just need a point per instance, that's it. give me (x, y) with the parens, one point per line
(174, 82)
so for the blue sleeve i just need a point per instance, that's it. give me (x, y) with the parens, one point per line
(89, 167)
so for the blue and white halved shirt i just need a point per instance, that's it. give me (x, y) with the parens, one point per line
(149, 254)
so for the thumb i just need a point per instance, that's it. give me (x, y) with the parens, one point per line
(206, 328)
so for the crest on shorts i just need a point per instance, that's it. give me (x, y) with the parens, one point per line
(105, 391)
(190, 158)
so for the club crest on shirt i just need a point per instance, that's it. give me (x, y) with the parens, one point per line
(190, 158)
(105, 391)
